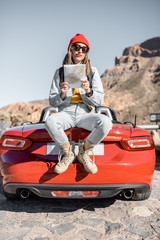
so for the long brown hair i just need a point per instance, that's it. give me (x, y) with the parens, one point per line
(69, 60)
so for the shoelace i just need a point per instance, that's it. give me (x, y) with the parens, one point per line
(87, 151)
(60, 157)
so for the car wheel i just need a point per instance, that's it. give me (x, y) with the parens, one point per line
(10, 196)
(141, 195)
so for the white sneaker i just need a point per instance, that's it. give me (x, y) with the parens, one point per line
(64, 163)
(83, 157)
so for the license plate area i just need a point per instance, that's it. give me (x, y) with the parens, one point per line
(53, 149)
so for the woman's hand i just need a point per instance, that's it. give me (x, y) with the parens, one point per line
(86, 85)
(64, 89)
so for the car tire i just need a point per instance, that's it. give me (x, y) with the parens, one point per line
(141, 195)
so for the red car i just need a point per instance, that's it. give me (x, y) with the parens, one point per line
(125, 161)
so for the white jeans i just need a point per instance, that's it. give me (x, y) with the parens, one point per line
(78, 115)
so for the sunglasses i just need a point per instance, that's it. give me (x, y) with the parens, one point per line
(77, 47)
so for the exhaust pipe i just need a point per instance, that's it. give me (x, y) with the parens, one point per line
(127, 194)
(24, 193)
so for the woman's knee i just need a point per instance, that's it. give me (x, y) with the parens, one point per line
(105, 123)
(50, 122)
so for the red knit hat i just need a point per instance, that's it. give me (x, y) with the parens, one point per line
(79, 38)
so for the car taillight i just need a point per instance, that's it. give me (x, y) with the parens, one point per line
(138, 144)
(14, 143)
(60, 193)
(90, 193)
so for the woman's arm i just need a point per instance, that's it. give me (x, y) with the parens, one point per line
(54, 95)
(97, 97)
(58, 91)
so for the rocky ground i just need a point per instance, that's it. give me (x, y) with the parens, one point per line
(111, 219)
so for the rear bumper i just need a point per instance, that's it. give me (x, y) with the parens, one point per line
(46, 190)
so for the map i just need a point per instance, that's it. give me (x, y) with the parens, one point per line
(73, 74)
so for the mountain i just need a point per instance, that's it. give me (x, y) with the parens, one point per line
(21, 112)
(132, 87)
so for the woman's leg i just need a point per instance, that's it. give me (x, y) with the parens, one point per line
(98, 124)
(55, 125)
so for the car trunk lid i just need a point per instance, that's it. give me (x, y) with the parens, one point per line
(37, 132)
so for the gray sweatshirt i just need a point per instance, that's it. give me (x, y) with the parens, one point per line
(94, 101)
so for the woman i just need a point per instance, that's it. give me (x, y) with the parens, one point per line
(76, 109)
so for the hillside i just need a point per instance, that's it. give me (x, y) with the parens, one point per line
(20, 112)
(132, 87)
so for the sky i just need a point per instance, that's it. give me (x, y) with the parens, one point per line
(35, 35)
